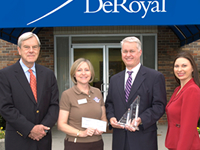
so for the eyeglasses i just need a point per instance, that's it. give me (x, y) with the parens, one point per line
(35, 47)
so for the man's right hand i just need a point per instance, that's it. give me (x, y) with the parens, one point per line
(38, 132)
(114, 124)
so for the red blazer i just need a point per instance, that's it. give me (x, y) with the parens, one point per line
(183, 111)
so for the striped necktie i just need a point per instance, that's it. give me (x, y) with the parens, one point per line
(33, 84)
(128, 85)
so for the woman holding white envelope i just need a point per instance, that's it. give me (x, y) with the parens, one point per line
(81, 103)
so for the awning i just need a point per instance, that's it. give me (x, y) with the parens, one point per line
(185, 33)
(181, 15)
(12, 34)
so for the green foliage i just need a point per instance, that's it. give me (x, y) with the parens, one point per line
(2, 127)
(2, 123)
(198, 129)
(198, 123)
(2, 133)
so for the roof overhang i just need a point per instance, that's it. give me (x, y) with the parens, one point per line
(12, 34)
(187, 33)
(181, 15)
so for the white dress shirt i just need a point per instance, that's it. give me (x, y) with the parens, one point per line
(25, 69)
(133, 75)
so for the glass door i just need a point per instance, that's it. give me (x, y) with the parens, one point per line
(96, 55)
(106, 60)
(115, 63)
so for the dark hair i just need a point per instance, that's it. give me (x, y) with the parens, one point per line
(189, 57)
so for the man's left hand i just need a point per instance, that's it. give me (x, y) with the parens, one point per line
(134, 123)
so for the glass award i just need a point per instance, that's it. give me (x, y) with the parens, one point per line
(131, 114)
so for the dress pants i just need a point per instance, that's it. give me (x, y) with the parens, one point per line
(126, 146)
(84, 146)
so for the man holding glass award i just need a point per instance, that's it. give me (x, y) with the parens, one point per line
(135, 102)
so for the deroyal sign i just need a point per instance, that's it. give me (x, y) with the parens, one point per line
(49, 13)
(131, 7)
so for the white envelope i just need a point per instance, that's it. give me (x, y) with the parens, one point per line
(94, 123)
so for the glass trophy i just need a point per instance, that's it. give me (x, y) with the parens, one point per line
(131, 114)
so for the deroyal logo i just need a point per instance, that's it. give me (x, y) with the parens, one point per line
(113, 6)
(51, 12)
(129, 7)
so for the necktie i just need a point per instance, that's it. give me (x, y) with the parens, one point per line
(33, 84)
(128, 85)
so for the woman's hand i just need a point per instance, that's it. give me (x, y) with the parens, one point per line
(87, 132)
(98, 132)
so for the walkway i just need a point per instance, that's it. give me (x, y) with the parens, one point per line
(58, 139)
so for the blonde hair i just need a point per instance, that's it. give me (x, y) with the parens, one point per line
(75, 66)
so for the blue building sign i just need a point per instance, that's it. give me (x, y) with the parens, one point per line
(51, 13)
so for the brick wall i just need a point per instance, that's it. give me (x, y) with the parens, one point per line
(194, 49)
(168, 45)
(46, 57)
(8, 54)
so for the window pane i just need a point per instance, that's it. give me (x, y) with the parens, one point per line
(149, 51)
(62, 47)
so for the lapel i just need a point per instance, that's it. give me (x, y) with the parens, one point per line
(120, 86)
(140, 77)
(21, 77)
(40, 82)
(176, 96)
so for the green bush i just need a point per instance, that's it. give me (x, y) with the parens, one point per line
(198, 125)
(198, 129)
(2, 134)
(2, 123)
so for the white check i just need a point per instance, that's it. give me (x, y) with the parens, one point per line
(94, 123)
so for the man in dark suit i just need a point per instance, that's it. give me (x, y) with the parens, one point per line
(150, 86)
(29, 113)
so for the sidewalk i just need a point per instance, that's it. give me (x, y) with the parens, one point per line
(58, 139)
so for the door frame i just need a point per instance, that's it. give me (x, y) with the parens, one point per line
(105, 48)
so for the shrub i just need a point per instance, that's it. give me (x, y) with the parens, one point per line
(2, 133)
(2, 123)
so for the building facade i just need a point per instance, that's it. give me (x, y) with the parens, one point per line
(62, 45)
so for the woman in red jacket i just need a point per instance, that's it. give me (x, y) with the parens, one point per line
(183, 109)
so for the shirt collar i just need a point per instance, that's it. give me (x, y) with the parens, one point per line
(25, 68)
(78, 91)
(135, 69)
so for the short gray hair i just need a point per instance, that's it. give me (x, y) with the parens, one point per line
(132, 39)
(26, 36)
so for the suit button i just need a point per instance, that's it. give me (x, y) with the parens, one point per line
(178, 125)
(37, 111)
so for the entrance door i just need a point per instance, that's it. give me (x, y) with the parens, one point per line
(106, 60)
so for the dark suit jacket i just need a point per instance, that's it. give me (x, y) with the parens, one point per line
(150, 86)
(183, 112)
(20, 110)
